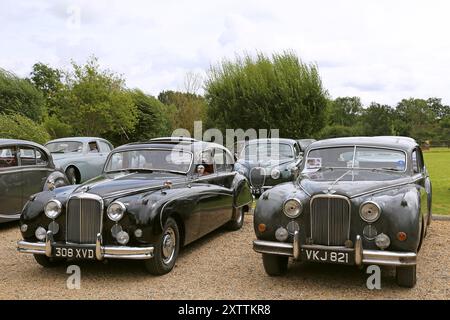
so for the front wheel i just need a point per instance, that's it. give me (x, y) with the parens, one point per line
(71, 175)
(275, 265)
(238, 219)
(166, 250)
(406, 276)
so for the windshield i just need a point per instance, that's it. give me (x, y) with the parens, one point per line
(267, 151)
(356, 158)
(65, 147)
(159, 160)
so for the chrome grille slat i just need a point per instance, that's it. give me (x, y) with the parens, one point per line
(84, 218)
(330, 220)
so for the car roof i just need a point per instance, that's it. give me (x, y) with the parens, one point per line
(394, 142)
(272, 140)
(18, 141)
(77, 139)
(170, 143)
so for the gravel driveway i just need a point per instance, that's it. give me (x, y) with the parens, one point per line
(220, 266)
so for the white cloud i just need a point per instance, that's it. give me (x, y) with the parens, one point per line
(379, 50)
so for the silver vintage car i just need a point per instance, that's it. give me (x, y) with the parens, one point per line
(81, 158)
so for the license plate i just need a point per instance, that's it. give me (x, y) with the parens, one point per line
(73, 252)
(344, 256)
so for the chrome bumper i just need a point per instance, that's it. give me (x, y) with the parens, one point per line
(101, 251)
(362, 256)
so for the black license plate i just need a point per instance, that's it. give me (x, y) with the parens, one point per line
(73, 252)
(341, 256)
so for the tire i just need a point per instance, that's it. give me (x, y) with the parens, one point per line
(237, 222)
(406, 276)
(275, 265)
(71, 175)
(47, 262)
(166, 250)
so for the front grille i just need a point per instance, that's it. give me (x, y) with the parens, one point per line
(330, 220)
(257, 177)
(84, 218)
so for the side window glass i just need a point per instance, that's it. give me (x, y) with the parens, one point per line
(104, 147)
(27, 156)
(415, 162)
(7, 157)
(41, 158)
(204, 163)
(93, 147)
(219, 159)
(296, 150)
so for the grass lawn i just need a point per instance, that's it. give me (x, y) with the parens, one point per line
(437, 161)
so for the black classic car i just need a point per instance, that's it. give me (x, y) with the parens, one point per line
(25, 168)
(358, 201)
(268, 162)
(151, 199)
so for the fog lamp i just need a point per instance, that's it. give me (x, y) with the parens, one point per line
(382, 241)
(53, 227)
(370, 232)
(40, 233)
(24, 227)
(138, 233)
(275, 174)
(292, 227)
(281, 234)
(122, 237)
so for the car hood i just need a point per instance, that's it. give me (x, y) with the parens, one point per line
(350, 183)
(122, 183)
(271, 163)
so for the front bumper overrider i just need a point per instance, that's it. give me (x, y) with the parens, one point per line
(362, 256)
(101, 251)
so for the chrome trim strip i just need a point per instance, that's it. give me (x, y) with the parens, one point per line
(10, 216)
(48, 243)
(378, 257)
(385, 188)
(296, 245)
(26, 169)
(358, 251)
(101, 252)
(328, 196)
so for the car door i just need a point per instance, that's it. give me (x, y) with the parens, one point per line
(423, 184)
(35, 168)
(215, 200)
(11, 184)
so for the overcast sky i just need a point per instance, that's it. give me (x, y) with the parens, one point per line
(379, 50)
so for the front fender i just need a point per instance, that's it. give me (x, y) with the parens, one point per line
(242, 192)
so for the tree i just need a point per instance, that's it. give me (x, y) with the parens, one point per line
(153, 117)
(378, 120)
(20, 96)
(345, 111)
(280, 92)
(49, 82)
(17, 126)
(96, 103)
(185, 108)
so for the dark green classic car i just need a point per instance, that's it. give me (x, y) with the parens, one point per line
(358, 201)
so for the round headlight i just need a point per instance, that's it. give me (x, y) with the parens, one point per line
(53, 209)
(275, 174)
(116, 210)
(292, 208)
(370, 211)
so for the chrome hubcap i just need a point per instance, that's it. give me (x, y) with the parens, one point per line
(168, 245)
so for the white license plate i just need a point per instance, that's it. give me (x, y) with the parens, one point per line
(328, 256)
(73, 252)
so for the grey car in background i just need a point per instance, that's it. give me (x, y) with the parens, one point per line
(81, 158)
(26, 168)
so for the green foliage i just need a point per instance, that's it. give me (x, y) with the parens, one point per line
(336, 131)
(49, 81)
(16, 126)
(280, 92)
(378, 120)
(153, 117)
(96, 103)
(344, 111)
(20, 96)
(56, 128)
(184, 109)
